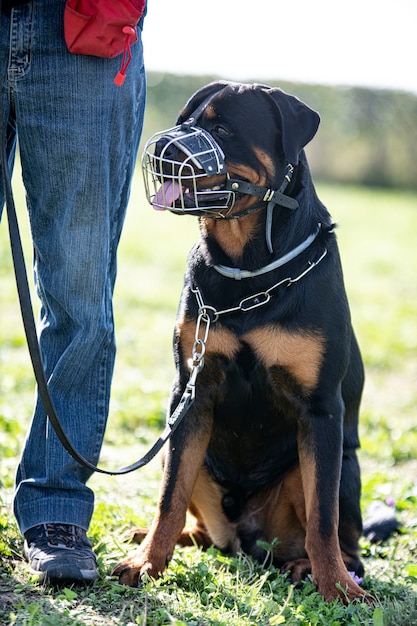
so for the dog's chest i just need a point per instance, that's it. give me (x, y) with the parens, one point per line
(260, 381)
(253, 440)
(297, 354)
(252, 404)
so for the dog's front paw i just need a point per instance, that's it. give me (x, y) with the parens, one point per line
(345, 590)
(135, 566)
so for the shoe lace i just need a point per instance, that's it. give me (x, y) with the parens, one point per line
(61, 534)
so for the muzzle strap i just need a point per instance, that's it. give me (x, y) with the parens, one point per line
(267, 195)
(271, 206)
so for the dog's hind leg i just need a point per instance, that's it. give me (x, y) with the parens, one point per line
(211, 526)
(196, 534)
(206, 512)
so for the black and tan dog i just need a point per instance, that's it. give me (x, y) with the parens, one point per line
(268, 449)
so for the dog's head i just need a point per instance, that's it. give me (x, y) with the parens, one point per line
(226, 134)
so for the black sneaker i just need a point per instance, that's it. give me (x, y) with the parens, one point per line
(60, 554)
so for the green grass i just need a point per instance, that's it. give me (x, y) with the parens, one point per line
(377, 231)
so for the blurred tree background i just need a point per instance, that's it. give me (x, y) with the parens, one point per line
(366, 136)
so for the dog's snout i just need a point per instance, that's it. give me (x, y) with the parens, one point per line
(186, 171)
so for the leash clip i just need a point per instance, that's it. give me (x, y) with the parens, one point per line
(196, 362)
(190, 387)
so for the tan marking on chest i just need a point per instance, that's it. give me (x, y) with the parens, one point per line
(301, 354)
(233, 235)
(219, 340)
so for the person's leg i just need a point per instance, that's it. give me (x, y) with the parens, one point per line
(78, 137)
(8, 131)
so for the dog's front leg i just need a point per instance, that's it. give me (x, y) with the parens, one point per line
(320, 452)
(183, 461)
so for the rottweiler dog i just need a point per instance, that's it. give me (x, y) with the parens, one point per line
(266, 454)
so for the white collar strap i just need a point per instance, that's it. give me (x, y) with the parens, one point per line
(238, 274)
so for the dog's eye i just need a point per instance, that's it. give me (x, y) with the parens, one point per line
(221, 131)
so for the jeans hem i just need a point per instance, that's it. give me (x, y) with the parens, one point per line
(54, 511)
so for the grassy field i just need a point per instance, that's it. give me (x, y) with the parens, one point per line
(377, 236)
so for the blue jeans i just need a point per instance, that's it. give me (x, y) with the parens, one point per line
(78, 137)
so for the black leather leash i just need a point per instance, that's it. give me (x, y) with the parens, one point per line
(34, 350)
(32, 341)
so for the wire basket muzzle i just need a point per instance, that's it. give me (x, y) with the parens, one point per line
(177, 166)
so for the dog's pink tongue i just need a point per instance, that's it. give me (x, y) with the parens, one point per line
(166, 196)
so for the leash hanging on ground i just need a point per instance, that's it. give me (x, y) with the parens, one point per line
(34, 350)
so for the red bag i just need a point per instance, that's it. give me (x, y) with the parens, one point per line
(103, 28)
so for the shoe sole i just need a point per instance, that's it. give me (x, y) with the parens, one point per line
(65, 576)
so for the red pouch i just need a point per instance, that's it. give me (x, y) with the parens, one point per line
(102, 28)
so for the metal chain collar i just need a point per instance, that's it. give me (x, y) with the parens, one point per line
(209, 314)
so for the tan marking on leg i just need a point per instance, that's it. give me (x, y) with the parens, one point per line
(300, 354)
(195, 534)
(137, 535)
(158, 545)
(280, 513)
(206, 506)
(299, 569)
(327, 566)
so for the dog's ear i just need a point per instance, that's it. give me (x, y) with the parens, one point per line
(299, 122)
(199, 97)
